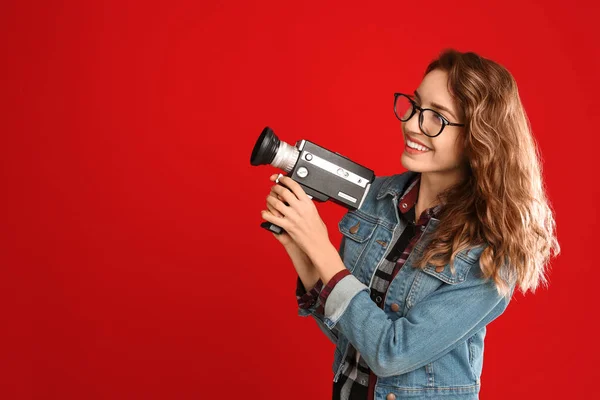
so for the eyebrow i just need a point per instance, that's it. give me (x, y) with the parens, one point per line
(436, 105)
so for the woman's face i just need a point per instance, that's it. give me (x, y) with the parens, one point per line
(444, 154)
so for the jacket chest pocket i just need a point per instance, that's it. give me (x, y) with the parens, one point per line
(357, 234)
(430, 279)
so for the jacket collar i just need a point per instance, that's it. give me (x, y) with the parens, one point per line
(396, 184)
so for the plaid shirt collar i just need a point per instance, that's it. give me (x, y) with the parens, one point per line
(407, 202)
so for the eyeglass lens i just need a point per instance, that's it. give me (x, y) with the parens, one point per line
(429, 121)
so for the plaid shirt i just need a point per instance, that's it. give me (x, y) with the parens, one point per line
(357, 381)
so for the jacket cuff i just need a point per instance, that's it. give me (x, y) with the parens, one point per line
(340, 297)
(326, 291)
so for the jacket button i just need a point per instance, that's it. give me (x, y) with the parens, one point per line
(390, 396)
(439, 269)
(376, 298)
(354, 228)
(395, 307)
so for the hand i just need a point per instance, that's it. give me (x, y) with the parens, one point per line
(284, 238)
(299, 218)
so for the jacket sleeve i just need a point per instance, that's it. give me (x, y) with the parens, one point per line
(312, 303)
(326, 291)
(430, 329)
(307, 306)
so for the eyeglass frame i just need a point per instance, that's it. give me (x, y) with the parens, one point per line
(415, 107)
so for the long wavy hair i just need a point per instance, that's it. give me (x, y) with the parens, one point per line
(502, 202)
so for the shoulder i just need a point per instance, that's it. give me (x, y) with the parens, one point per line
(378, 207)
(469, 260)
(390, 185)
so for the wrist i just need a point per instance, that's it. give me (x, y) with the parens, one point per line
(292, 248)
(297, 253)
(321, 252)
(327, 262)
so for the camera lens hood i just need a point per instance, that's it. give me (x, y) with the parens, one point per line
(265, 149)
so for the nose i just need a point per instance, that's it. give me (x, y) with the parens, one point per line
(411, 127)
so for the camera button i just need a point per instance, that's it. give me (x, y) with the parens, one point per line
(302, 172)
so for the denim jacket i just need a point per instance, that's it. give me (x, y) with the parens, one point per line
(432, 346)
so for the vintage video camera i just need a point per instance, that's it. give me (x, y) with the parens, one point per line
(323, 174)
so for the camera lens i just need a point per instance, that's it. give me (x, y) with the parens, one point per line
(270, 150)
(265, 148)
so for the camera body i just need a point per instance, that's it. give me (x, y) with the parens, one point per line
(323, 174)
(326, 175)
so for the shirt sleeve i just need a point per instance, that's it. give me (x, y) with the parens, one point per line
(317, 296)
(307, 299)
(328, 289)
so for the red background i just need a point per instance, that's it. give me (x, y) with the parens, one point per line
(133, 264)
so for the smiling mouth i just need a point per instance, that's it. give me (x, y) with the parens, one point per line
(416, 147)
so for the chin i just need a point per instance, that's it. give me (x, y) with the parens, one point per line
(409, 163)
(415, 166)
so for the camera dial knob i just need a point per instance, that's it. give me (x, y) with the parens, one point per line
(302, 172)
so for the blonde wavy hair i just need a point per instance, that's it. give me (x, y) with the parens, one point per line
(502, 203)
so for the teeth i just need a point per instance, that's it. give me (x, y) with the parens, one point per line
(416, 146)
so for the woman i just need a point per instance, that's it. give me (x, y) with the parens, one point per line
(434, 254)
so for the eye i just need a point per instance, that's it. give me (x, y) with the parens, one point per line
(433, 118)
(439, 118)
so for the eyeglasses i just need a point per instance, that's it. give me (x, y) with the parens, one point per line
(431, 122)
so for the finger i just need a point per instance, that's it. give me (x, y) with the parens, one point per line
(272, 209)
(294, 187)
(279, 206)
(267, 216)
(278, 197)
(284, 194)
(280, 236)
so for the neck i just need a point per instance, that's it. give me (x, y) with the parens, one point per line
(434, 183)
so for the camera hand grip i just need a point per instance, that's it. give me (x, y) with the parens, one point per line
(272, 227)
